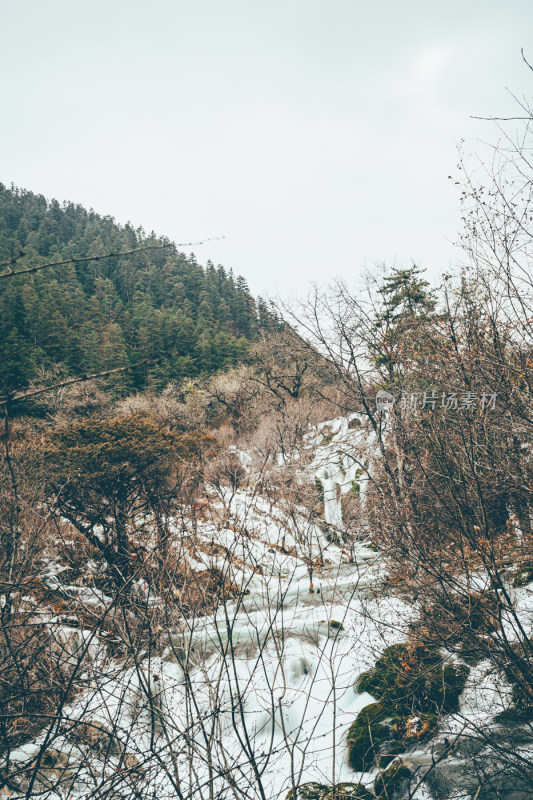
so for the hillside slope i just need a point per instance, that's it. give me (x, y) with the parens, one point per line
(92, 316)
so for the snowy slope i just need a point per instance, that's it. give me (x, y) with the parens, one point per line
(257, 698)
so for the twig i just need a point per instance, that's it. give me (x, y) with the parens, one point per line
(15, 397)
(84, 259)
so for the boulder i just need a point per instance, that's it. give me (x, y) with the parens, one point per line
(341, 791)
(373, 735)
(309, 791)
(523, 576)
(415, 678)
(349, 791)
(393, 782)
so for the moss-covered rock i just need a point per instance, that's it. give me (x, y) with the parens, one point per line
(341, 791)
(393, 782)
(373, 735)
(349, 791)
(515, 715)
(415, 678)
(332, 535)
(44, 780)
(523, 576)
(522, 693)
(414, 687)
(447, 693)
(381, 680)
(518, 671)
(53, 759)
(418, 726)
(309, 791)
(355, 422)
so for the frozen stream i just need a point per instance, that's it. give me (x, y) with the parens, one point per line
(265, 690)
(257, 698)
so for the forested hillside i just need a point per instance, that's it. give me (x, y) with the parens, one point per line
(159, 305)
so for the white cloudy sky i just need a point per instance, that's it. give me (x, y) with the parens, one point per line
(316, 135)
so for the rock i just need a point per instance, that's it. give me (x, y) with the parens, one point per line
(523, 576)
(309, 791)
(53, 759)
(393, 782)
(349, 791)
(414, 686)
(48, 778)
(408, 677)
(53, 772)
(417, 726)
(374, 734)
(341, 791)
(381, 679)
(456, 772)
(451, 776)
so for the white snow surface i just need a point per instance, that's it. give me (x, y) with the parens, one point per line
(273, 708)
(262, 693)
(285, 690)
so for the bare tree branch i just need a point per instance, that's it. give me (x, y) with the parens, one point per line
(15, 397)
(84, 259)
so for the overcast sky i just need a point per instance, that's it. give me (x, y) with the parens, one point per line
(317, 136)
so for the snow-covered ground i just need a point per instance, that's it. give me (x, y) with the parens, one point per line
(285, 660)
(263, 692)
(257, 698)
